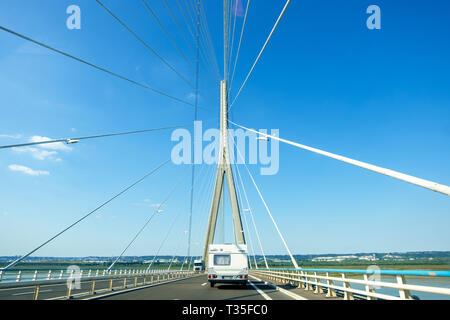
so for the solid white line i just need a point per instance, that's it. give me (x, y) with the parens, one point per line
(284, 291)
(22, 293)
(138, 288)
(260, 291)
(62, 283)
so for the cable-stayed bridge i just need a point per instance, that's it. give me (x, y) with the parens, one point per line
(182, 282)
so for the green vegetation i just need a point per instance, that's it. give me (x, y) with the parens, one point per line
(421, 260)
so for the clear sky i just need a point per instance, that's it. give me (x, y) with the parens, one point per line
(325, 80)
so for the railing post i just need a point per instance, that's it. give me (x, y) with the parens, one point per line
(125, 282)
(61, 273)
(145, 279)
(135, 281)
(1, 275)
(300, 280)
(69, 289)
(110, 284)
(345, 285)
(404, 294)
(331, 292)
(318, 286)
(89, 273)
(19, 276)
(308, 286)
(92, 286)
(35, 275)
(368, 287)
(96, 273)
(49, 275)
(36, 292)
(292, 278)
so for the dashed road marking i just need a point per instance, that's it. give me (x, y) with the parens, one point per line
(32, 292)
(265, 296)
(286, 292)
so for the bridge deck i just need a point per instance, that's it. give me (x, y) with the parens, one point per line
(194, 288)
(197, 288)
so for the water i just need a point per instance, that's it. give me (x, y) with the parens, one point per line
(441, 282)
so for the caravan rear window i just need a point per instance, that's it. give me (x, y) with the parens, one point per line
(222, 260)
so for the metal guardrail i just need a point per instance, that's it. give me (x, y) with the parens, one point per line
(38, 278)
(321, 282)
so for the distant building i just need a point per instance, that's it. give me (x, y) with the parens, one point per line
(337, 258)
(368, 258)
(391, 257)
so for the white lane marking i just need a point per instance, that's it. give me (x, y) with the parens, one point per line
(286, 292)
(204, 284)
(63, 283)
(265, 296)
(19, 294)
(138, 288)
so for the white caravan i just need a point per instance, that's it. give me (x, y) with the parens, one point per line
(227, 263)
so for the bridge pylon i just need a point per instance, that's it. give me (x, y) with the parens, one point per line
(224, 170)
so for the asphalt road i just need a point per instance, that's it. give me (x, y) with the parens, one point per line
(197, 288)
(194, 288)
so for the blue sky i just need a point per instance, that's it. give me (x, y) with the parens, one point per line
(325, 80)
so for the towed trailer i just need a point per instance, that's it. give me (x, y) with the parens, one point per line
(227, 263)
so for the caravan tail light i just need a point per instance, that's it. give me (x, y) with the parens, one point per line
(246, 276)
(214, 276)
(209, 276)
